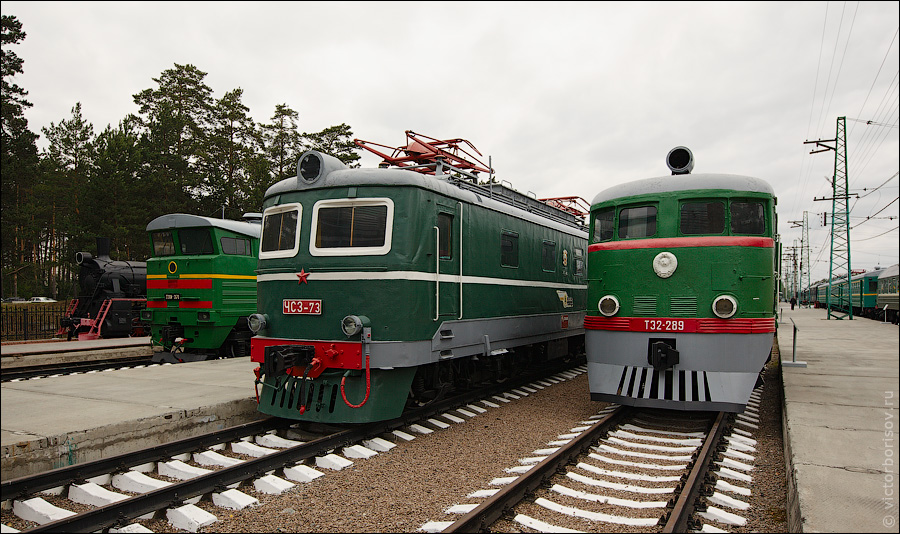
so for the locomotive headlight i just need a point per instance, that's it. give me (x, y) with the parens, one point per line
(353, 324)
(203, 316)
(724, 306)
(257, 322)
(608, 305)
(146, 315)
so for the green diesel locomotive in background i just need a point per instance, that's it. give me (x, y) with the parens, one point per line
(201, 286)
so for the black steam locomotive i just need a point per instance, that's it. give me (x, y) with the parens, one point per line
(112, 295)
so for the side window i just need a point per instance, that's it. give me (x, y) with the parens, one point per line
(548, 257)
(748, 217)
(509, 249)
(445, 232)
(637, 222)
(163, 244)
(351, 227)
(195, 241)
(280, 232)
(235, 245)
(604, 223)
(579, 262)
(698, 218)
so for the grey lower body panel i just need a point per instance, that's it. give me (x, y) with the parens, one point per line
(468, 337)
(714, 372)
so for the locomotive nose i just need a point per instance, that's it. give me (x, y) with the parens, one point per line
(680, 160)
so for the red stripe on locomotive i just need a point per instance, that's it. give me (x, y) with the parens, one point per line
(180, 283)
(680, 242)
(673, 325)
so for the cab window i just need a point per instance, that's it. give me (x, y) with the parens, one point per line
(604, 225)
(280, 231)
(748, 217)
(702, 217)
(163, 243)
(195, 241)
(350, 227)
(637, 222)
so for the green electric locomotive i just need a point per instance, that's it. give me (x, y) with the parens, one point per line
(201, 286)
(681, 289)
(379, 287)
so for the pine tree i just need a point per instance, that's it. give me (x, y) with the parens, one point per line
(336, 141)
(283, 142)
(19, 164)
(175, 119)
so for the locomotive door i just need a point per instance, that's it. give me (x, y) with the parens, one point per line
(448, 262)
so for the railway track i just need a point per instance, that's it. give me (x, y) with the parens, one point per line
(28, 372)
(110, 509)
(645, 473)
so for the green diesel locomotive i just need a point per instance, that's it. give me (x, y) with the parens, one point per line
(379, 287)
(681, 289)
(201, 286)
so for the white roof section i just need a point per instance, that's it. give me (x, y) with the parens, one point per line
(893, 270)
(393, 176)
(184, 220)
(684, 182)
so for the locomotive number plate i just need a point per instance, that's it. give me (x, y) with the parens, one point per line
(667, 325)
(301, 307)
(173, 296)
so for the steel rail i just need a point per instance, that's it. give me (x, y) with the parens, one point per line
(677, 520)
(30, 371)
(174, 494)
(491, 509)
(17, 487)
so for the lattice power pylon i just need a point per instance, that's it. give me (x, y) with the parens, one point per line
(805, 267)
(838, 298)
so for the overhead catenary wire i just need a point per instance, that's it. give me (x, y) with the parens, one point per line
(869, 218)
(879, 235)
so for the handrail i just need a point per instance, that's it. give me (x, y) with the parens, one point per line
(437, 273)
(460, 260)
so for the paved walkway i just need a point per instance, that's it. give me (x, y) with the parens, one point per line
(840, 422)
(58, 421)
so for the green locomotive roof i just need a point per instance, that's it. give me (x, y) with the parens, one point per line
(684, 182)
(184, 220)
(492, 196)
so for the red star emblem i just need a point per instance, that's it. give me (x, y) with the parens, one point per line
(302, 276)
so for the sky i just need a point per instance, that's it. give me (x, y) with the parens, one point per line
(567, 99)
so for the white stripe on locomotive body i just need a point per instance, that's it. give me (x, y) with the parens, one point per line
(684, 182)
(418, 276)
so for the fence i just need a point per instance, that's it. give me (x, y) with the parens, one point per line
(30, 321)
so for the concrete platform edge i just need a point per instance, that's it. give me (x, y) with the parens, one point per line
(51, 452)
(794, 517)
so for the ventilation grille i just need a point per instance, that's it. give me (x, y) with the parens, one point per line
(318, 397)
(648, 383)
(645, 306)
(684, 306)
